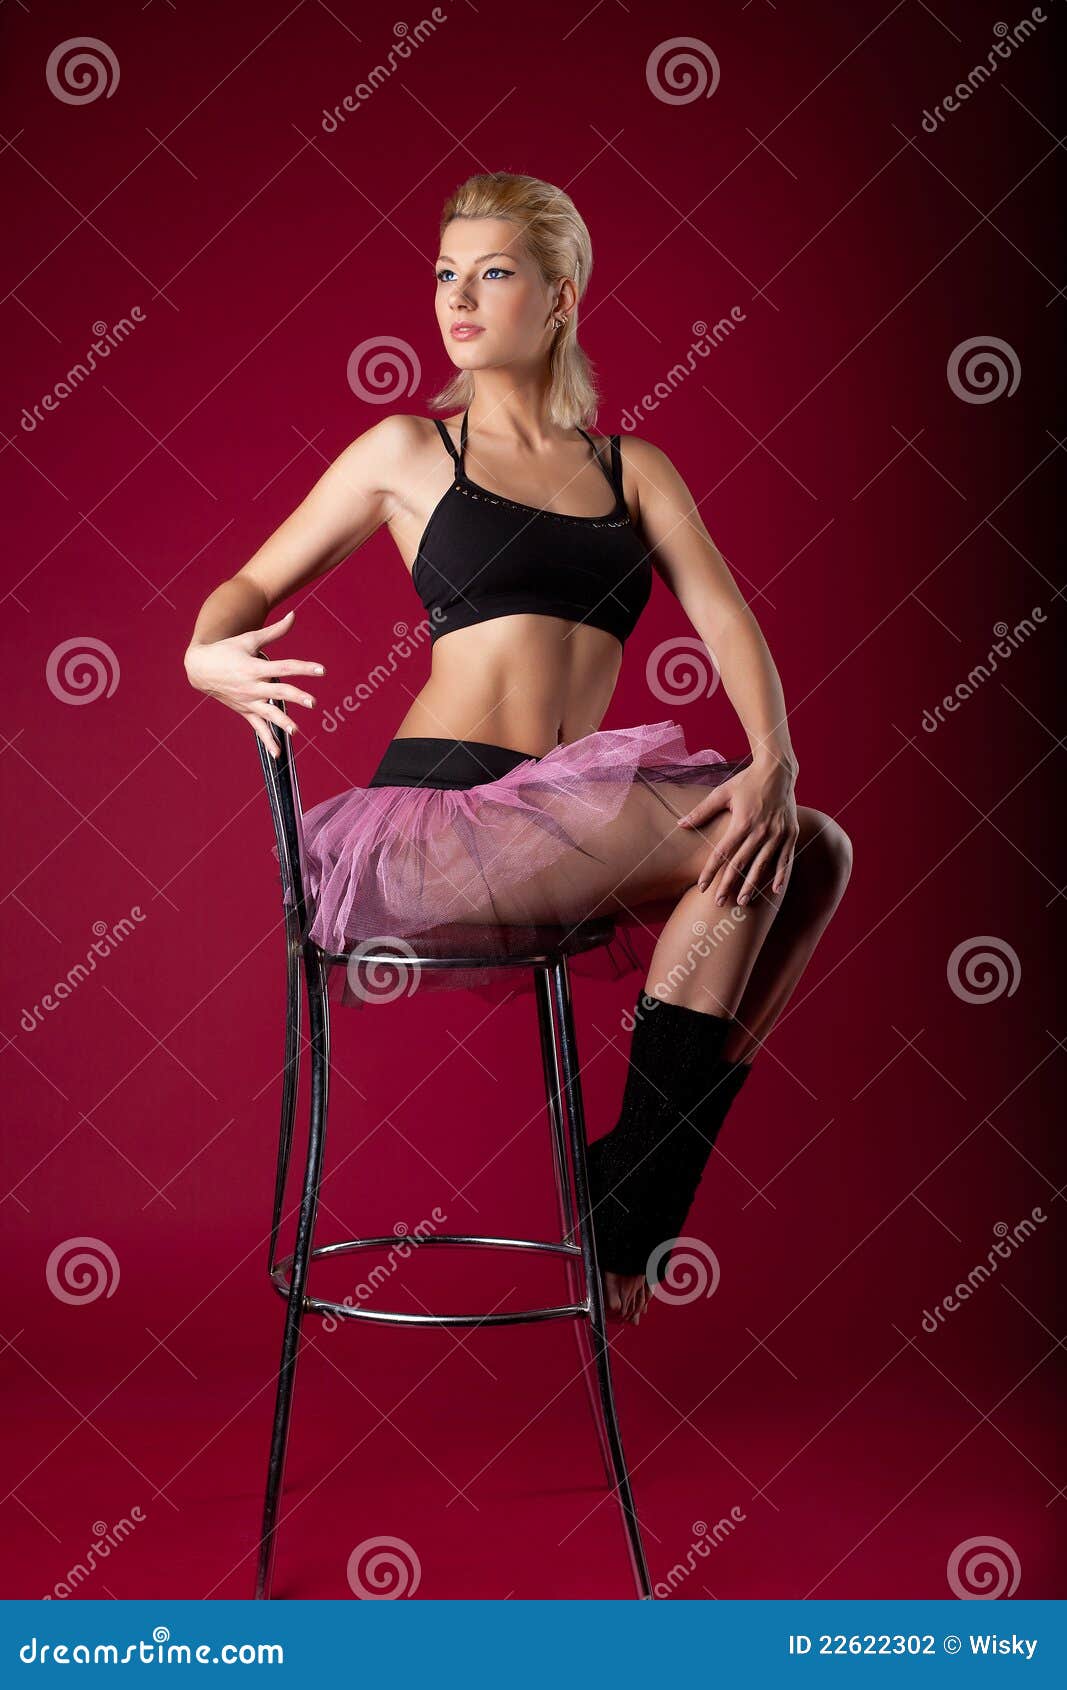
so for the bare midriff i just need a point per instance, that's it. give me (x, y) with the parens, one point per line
(527, 682)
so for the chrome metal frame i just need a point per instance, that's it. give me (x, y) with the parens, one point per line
(577, 1246)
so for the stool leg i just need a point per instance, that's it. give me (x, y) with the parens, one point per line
(291, 1078)
(568, 1219)
(576, 1132)
(319, 1026)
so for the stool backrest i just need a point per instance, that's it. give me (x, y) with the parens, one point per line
(283, 793)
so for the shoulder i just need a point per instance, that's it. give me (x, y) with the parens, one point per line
(649, 469)
(384, 452)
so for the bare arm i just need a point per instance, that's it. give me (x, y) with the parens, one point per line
(343, 509)
(760, 798)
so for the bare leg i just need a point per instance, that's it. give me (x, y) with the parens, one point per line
(750, 966)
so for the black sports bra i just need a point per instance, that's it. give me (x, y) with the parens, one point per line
(482, 556)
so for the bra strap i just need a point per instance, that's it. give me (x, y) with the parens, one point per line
(614, 475)
(447, 438)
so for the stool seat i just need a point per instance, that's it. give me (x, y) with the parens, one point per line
(484, 945)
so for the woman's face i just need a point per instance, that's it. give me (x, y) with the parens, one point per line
(487, 285)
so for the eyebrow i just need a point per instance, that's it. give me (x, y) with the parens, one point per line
(480, 260)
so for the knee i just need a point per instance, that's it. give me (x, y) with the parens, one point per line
(823, 853)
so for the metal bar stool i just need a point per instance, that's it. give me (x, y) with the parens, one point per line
(576, 1246)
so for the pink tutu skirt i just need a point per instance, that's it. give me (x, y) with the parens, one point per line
(462, 848)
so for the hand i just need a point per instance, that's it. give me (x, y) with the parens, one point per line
(232, 671)
(762, 833)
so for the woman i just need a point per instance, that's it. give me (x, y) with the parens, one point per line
(500, 802)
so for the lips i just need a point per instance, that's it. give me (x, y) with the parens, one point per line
(465, 331)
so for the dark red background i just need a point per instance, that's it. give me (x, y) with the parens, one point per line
(880, 526)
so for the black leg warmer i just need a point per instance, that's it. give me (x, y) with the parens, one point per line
(643, 1175)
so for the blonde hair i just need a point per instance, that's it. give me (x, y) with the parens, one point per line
(556, 238)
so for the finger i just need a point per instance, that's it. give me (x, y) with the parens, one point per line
(270, 713)
(756, 871)
(735, 868)
(263, 636)
(261, 730)
(278, 689)
(716, 801)
(290, 666)
(784, 869)
(720, 854)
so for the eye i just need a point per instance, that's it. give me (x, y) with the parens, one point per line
(444, 274)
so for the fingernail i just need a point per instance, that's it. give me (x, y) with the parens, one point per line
(721, 899)
(319, 670)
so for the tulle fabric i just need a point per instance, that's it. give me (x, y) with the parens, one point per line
(482, 871)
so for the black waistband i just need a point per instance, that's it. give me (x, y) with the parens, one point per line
(448, 764)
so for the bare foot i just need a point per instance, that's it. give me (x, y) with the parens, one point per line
(626, 1296)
